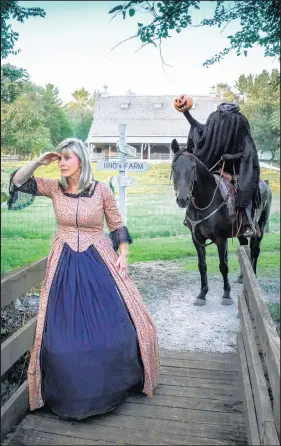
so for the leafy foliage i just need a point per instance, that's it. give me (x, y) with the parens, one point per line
(56, 118)
(34, 118)
(23, 129)
(34, 121)
(80, 112)
(10, 9)
(259, 22)
(12, 82)
(259, 100)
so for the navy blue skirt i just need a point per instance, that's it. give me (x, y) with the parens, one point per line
(90, 354)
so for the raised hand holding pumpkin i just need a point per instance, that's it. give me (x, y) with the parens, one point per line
(183, 103)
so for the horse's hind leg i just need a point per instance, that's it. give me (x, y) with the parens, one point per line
(256, 241)
(243, 242)
(255, 245)
(201, 251)
(222, 246)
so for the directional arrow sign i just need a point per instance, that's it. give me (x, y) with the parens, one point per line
(124, 181)
(125, 148)
(109, 165)
(136, 166)
(132, 166)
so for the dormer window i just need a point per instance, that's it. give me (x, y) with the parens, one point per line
(158, 104)
(124, 104)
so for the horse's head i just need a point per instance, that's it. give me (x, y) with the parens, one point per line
(184, 174)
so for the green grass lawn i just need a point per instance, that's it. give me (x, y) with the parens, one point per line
(153, 218)
(274, 309)
(21, 251)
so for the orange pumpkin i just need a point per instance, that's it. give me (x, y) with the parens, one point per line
(183, 102)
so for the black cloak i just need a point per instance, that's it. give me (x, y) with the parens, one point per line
(227, 131)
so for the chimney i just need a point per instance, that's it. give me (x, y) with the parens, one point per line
(104, 93)
(212, 92)
(130, 93)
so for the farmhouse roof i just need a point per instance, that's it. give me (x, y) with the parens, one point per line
(146, 116)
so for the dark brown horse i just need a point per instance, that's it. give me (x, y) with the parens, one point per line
(208, 218)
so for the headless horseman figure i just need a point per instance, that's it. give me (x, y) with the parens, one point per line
(226, 136)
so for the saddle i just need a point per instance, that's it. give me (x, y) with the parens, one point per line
(226, 176)
(227, 184)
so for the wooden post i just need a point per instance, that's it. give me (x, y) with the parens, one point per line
(122, 189)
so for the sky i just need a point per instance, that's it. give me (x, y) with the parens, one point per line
(71, 48)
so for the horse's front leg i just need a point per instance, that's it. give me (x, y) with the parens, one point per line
(222, 246)
(201, 251)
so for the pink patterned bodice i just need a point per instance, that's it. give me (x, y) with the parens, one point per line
(80, 218)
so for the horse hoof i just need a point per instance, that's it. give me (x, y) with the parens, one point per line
(226, 301)
(240, 279)
(199, 302)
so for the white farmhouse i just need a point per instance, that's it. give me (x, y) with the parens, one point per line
(152, 123)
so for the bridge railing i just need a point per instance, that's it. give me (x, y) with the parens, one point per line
(259, 350)
(12, 287)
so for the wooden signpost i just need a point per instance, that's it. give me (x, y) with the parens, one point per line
(123, 165)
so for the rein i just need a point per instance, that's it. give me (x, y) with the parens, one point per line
(207, 207)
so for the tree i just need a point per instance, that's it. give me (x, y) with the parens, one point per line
(12, 82)
(259, 100)
(35, 121)
(83, 125)
(82, 100)
(223, 91)
(11, 10)
(56, 118)
(259, 22)
(80, 112)
(23, 129)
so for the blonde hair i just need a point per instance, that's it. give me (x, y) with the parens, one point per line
(80, 149)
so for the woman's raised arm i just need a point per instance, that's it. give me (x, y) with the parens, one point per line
(26, 171)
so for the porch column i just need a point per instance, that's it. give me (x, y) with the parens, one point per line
(148, 155)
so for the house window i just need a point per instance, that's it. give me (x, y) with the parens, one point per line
(158, 104)
(124, 105)
(194, 105)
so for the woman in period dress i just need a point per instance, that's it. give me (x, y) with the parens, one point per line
(94, 339)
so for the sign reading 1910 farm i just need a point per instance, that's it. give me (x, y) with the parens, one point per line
(133, 166)
(123, 165)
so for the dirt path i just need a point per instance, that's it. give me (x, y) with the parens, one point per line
(169, 292)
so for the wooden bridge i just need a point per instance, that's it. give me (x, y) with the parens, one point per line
(202, 399)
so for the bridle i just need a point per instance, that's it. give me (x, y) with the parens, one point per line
(190, 196)
(195, 223)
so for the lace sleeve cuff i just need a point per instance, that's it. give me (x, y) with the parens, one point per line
(23, 196)
(120, 235)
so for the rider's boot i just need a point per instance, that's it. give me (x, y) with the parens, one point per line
(250, 229)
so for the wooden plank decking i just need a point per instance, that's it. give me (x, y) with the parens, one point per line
(198, 402)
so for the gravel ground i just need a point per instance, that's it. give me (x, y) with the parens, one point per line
(169, 292)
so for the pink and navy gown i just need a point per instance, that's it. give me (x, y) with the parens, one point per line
(94, 340)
